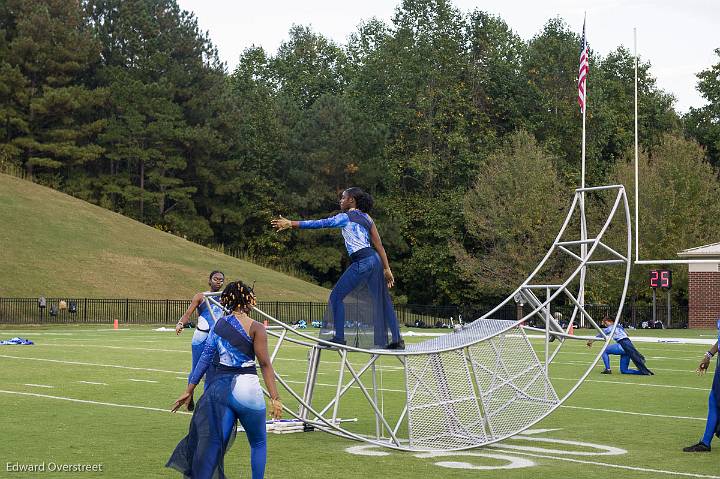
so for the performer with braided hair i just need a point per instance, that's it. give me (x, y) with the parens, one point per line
(234, 393)
(205, 322)
(364, 285)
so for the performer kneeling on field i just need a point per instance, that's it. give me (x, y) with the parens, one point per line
(621, 337)
(616, 349)
(233, 394)
(365, 283)
(205, 322)
(712, 427)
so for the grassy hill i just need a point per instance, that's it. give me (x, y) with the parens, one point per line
(52, 244)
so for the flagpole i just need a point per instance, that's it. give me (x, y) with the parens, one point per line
(583, 223)
(637, 186)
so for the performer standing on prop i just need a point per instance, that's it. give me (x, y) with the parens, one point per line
(234, 394)
(204, 324)
(366, 281)
(621, 337)
(712, 427)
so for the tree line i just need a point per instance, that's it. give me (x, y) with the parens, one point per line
(467, 136)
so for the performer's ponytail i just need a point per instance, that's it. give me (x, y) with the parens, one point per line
(363, 200)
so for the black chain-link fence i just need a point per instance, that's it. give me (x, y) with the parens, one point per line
(168, 311)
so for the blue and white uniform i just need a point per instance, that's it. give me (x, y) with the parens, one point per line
(616, 349)
(234, 394)
(360, 300)
(712, 427)
(205, 323)
(622, 339)
(355, 225)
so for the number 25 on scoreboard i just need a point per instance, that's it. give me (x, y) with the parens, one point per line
(661, 278)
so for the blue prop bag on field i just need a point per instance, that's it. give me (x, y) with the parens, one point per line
(20, 341)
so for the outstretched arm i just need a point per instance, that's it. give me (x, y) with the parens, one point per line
(705, 363)
(197, 299)
(377, 244)
(281, 224)
(337, 221)
(268, 372)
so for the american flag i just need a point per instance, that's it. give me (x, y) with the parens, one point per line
(583, 72)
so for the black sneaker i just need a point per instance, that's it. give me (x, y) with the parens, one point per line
(606, 371)
(191, 404)
(396, 345)
(699, 447)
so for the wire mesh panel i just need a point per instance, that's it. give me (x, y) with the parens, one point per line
(514, 387)
(443, 408)
(469, 334)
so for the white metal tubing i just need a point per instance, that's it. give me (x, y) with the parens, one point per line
(564, 226)
(561, 335)
(598, 188)
(621, 195)
(400, 419)
(582, 310)
(277, 346)
(378, 414)
(564, 249)
(341, 432)
(613, 252)
(576, 242)
(607, 261)
(343, 360)
(375, 398)
(676, 261)
(637, 183)
(347, 387)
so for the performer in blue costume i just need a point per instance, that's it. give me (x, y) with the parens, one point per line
(364, 285)
(621, 338)
(233, 394)
(712, 426)
(205, 322)
(616, 349)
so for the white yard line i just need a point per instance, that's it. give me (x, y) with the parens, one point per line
(39, 385)
(85, 401)
(141, 380)
(123, 348)
(615, 411)
(80, 363)
(627, 383)
(93, 382)
(615, 466)
(354, 386)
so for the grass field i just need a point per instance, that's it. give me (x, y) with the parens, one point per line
(55, 245)
(83, 394)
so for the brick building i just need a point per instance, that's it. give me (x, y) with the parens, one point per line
(703, 286)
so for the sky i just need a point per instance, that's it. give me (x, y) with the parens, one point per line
(676, 36)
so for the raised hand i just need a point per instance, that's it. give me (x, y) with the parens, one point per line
(281, 223)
